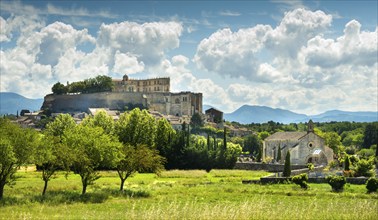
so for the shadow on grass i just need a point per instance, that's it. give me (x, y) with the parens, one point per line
(127, 193)
(68, 197)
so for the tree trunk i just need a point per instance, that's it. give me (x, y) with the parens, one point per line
(45, 188)
(122, 183)
(2, 184)
(84, 189)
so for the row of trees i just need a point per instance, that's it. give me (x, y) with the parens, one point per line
(91, 85)
(135, 143)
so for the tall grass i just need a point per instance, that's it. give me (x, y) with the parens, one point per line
(182, 195)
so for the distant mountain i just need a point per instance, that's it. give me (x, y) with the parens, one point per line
(10, 103)
(260, 114)
(336, 115)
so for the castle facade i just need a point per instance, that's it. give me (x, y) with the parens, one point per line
(156, 85)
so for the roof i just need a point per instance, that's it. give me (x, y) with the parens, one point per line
(213, 109)
(286, 136)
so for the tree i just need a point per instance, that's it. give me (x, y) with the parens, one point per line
(279, 154)
(252, 143)
(102, 120)
(136, 127)
(332, 140)
(263, 135)
(50, 155)
(287, 168)
(60, 124)
(346, 163)
(16, 149)
(370, 135)
(164, 131)
(92, 148)
(196, 120)
(136, 159)
(58, 89)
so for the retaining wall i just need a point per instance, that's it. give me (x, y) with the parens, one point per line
(266, 167)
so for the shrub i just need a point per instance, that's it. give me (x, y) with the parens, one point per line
(364, 168)
(310, 166)
(372, 184)
(337, 183)
(301, 180)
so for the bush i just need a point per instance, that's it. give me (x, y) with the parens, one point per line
(364, 168)
(337, 183)
(301, 180)
(310, 166)
(372, 185)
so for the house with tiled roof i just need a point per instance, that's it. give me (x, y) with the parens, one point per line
(304, 147)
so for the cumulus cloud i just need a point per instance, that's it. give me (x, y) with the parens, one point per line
(147, 41)
(236, 54)
(127, 64)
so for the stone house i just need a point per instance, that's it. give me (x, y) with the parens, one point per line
(304, 147)
(214, 115)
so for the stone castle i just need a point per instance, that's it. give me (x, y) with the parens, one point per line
(152, 94)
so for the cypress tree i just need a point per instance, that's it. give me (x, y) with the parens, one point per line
(279, 154)
(287, 168)
(208, 142)
(346, 163)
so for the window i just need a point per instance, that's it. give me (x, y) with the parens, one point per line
(177, 101)
(184, 99)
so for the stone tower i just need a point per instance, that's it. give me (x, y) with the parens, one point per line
(310, 126)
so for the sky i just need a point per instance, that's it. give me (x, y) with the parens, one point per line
(303, 56)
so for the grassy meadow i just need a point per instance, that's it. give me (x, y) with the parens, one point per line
(176, 194)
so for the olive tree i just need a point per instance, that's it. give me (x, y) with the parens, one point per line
(16, 149)
(138, 158)
(50, 153)
(92, 148)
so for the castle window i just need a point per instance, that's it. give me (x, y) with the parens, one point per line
(177, 101)
(184, 99)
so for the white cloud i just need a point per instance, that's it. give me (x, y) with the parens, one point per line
(127, 64)
(148, 41)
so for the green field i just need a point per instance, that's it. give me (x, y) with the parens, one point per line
(195, 194)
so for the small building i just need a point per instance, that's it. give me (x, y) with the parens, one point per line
(304, 147)
(214, 115)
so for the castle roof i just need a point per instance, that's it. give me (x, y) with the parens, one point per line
(286, 136)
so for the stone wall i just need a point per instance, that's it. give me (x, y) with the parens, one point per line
(183, 103)
(266, 167)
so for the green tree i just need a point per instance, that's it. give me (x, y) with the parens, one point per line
(136, 127)
(263, 135)
(16, 149)
(279, 154)
(58, 89)
(333, 140)
(60, 124)
(346, 163)
(136, 159)
(252, 143)
(50, 155)
(370, 135)
(164, 132)
(196, 120)
(102, 120)
(287, 167)
(92, 148)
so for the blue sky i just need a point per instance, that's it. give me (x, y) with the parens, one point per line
(304, 56)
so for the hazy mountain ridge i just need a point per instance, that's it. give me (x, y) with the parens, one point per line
(11, 102)
(247, 114)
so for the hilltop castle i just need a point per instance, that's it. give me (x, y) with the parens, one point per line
(152, 94)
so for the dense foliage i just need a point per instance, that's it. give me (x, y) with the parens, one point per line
(301, 180)
(337, 183)
(91, 85)
(372, 185)
(287, 166)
